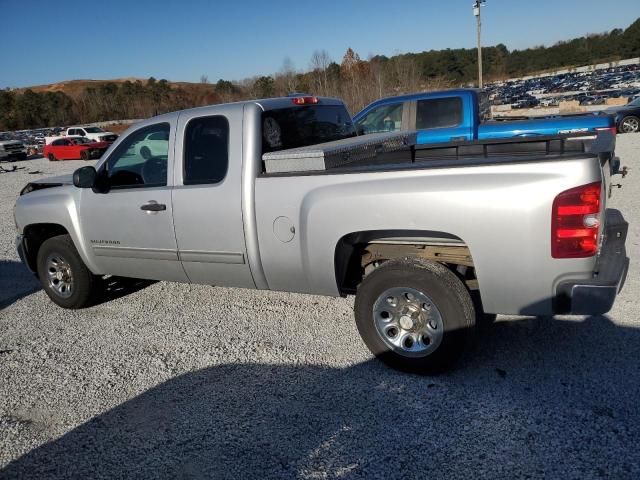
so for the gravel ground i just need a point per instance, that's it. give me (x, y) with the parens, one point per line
(180, 381)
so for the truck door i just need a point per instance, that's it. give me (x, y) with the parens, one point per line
(130, 227)
(207, 198)
(442, 120)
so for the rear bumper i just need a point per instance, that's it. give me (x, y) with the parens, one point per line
(597, 295)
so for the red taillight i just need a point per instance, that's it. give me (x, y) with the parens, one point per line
(305, 100)
(575, 222)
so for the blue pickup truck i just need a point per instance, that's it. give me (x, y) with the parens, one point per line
(462, 115)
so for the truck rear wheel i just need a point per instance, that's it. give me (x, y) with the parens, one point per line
(414, 315)
(64, 276)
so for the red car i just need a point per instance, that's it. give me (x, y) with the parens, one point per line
(72, 148)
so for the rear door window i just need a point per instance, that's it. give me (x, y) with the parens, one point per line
(439, 113)
(206, 150)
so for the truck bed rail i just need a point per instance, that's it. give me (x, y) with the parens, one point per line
(399, 150)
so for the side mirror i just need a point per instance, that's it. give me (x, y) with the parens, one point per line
(85, 177)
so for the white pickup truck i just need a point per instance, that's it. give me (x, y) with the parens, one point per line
(90, 132)
(428, 237)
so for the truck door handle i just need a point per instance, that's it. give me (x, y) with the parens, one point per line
(153, 206)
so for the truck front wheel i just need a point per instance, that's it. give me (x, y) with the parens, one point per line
(414, 315)
(63, 274)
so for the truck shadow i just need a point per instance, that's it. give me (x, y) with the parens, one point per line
(118, 287)
(538, 398)
(16, 282)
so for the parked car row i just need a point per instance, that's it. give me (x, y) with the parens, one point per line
(78, 142)
(589, 88)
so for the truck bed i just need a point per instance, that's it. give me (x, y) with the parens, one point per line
(349, 156)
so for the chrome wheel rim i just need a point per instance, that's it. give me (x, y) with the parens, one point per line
(59, 275)
(630, 125)
(408, 321)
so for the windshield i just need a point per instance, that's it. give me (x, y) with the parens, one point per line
(635, 102)
(303, 126)
(93, 130)
(80, 141)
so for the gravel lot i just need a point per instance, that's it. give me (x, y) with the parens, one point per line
(180, 381)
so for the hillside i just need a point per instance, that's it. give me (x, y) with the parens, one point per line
(356, 81)
(75, 88)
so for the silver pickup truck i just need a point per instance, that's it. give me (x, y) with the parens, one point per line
(281, 194)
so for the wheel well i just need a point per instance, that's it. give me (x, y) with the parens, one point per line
(35, 235)
(359, 253)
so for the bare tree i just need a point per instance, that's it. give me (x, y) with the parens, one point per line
(320, 61)
(405, 75)
(204, 79)
(377, 72)
(286, 81)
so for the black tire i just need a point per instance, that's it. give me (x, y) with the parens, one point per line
(84, 155)
(632, 121)
(145, 152)
(446, 292)
(85, 286)
(482, 319)
(51, 157)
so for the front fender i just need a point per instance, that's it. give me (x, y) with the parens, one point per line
(59, 206)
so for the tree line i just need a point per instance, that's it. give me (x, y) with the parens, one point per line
(356, 81)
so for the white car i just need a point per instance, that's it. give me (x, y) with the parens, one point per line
(153, 145)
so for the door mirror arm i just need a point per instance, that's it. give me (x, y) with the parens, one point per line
(101, 184)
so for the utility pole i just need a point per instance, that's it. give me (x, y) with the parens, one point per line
(476, 12)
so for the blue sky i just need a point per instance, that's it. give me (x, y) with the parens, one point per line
(49, 41)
